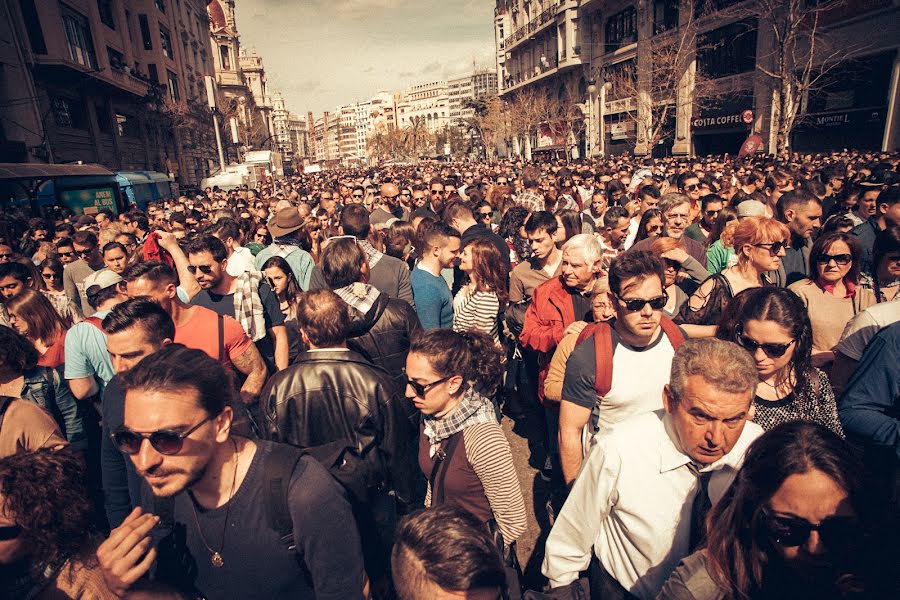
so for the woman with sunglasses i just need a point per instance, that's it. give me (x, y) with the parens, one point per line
(651, 225)
(463, 451)
(759, 243)
(799, 522)
(478, 304)
(833, 294)
(772, 324)
(259, 240)
(51, 276)
(47, 539)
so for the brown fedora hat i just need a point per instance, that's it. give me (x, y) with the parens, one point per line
(287, 220)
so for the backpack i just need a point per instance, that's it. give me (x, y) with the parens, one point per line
(603, 349)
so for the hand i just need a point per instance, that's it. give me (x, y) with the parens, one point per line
(677, 254)
(577, 327)
(167, 241)
(127, 553)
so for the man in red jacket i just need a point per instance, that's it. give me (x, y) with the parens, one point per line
(559, 307)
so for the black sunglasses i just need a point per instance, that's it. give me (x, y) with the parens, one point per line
(205, 269)
(836, 532)
(841, 259)
(10, 532)
(636, 304)
(65, 254)
(693, 187)
(164, 441)
(357, 195)
(773, 248)
(485, 214)
(771, 350)
(422, 389)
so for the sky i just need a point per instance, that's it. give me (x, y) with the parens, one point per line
(321, 54)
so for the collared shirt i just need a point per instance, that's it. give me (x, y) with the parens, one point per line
(631, 505)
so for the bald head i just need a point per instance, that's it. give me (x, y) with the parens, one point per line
(389, 193)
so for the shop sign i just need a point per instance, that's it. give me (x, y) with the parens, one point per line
(720, 121)
(620, 131)
(89, 201)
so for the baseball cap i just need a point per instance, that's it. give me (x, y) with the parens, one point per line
(751, 208)
(100, 280)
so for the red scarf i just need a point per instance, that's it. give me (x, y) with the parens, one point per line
(829, 288)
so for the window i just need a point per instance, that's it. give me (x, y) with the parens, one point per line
(165, 42)
(68, 112)
(727, 50)
(154, 74)
(173, 86)
(665, 15)
(103, 122)
(105, 8)
(116, 59)
(621, 29)
(128, 24)
(160, 4)
(79, 39)
(145, 32)
(33, 26)
(127, 126)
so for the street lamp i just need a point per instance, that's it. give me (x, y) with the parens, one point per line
(592, 90)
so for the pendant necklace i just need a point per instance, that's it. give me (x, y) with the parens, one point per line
(216, 558)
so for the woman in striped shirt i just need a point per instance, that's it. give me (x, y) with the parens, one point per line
(477, 305)
(462, 450)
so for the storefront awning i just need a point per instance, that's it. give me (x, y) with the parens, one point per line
(10, 171)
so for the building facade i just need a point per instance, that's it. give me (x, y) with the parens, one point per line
(111, 82)
(720, 94)
(427, 104)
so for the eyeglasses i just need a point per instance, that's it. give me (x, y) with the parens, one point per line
(10, 532)
(6, 256)
(712, 213)
(205, 269)
(389, 197)
(260, 234)
(840, 259)
(636, 304)
(654, 227)
(357, 195)
(836, 532)
(83, 253)
(774, 248)
(692, 188)
(65, 254)
(892, 257)
(49, 275)
(422, 389)
(483, 215)
(771, 350)
(405, 194)
(164, 441)
(437, 191)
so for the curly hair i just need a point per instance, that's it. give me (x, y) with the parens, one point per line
(45, 492)
(471, 354)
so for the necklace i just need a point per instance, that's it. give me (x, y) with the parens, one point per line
(216, 558)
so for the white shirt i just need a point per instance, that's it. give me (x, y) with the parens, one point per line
(632, 232)
(863, 327)
(241, 261)
(631, 505)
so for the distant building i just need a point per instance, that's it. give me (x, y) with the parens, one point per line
(427, 103)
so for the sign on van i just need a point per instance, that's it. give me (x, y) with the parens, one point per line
(89, 201)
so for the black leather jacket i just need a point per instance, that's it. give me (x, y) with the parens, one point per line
(337, 395)
(383, 335)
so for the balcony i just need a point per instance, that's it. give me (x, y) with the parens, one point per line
(533, 26)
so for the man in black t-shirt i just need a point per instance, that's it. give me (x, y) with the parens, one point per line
(214, 539)
(208, 260)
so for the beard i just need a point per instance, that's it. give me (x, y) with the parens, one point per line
(176, 480)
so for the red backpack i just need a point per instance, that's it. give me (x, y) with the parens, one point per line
(603, 349)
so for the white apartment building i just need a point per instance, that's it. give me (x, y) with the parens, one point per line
(427, 103)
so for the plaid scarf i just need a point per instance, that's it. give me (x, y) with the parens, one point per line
(248, 308)
(372, 254)
(473, 409)
(360, 296)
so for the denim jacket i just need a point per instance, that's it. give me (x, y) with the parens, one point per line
(44, 387)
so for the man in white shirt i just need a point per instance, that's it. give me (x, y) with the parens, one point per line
(240, 259)
(638, 504)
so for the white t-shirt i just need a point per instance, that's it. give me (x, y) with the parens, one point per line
(241, 261)
(860, 330)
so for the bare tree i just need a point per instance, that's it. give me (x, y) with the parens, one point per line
(493, 125)
(565, 114)
(528, 108)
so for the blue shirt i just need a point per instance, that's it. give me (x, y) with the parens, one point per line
(86, 354)
(434, 304)
(300, 261)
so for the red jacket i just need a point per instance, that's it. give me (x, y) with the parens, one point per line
(546, 319)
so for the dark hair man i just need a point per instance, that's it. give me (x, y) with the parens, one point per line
(615, 230)
(65, 251)
(460, 217)
(802, 213)
(89, 260)
(199, 327)
(434, 303)
(138, 225)
(331, 396)
(134, 329)
(689, 185)
(629, 501)
(390, 275)
(641, 353)
(712, 205)
(444, 552)
(887, 215)
(177, 433)
(381, 326)
(240, 259)
(543, 265)
(236, 297)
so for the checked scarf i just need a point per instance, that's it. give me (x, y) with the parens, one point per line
(360, 296)
(248, 308)
(473, 409)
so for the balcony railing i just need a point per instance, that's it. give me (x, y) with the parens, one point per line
(531, 26)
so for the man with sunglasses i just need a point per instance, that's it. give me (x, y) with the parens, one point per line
(436, 190)
(89, 260)
(641, 499)
(641, 353)
(207, 495)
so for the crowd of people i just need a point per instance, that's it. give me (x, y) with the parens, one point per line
(298, 391)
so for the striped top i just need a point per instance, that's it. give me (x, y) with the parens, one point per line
(478, 311)
(489, 455)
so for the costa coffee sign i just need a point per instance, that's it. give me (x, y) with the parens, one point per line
(729, 120)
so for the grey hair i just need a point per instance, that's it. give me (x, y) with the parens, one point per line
(588, 245)
(724, 365)
(671, 200)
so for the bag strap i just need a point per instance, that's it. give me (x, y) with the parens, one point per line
(5, 401)
(220, 323)
(95, 321)
(439, 472)
(279, 470)
(672, 331)
(603, 353)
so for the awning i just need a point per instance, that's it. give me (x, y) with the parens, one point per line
(142, 177)
(41, 171)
